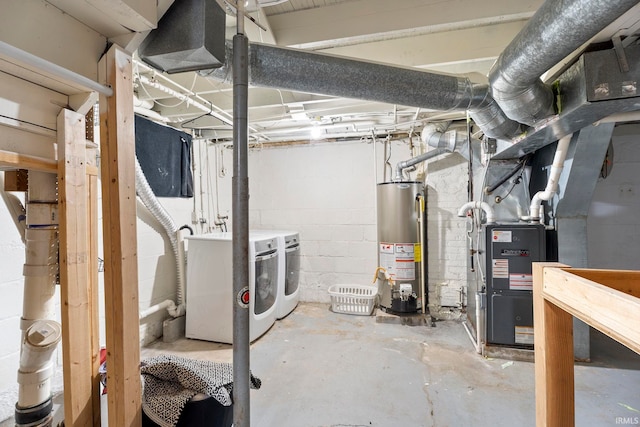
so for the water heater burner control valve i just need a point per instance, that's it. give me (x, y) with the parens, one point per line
(406, 291)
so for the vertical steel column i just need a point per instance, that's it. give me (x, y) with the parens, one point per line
(240, 188)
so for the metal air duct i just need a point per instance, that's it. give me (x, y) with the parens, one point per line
(312, 72)
(190, 36)
(556, 30)
(443, 139)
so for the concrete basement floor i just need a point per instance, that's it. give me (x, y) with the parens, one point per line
(319, 368)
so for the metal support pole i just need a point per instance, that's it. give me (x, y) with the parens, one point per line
(240, 188)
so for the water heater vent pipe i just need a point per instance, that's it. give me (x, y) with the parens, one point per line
(433, 135)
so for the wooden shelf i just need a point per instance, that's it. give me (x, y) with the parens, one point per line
(608, 300)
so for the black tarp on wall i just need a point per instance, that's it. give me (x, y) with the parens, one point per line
(164, 154)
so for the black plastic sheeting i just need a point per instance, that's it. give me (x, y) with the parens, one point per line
(164, 154)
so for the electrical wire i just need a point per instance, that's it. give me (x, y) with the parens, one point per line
(515, 182)
(193, 171)
(202, 189)
(210, 187)
(470, 178)
(387, 163)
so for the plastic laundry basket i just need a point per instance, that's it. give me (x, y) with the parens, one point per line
(353, 299)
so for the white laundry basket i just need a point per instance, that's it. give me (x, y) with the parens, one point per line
(353, 299)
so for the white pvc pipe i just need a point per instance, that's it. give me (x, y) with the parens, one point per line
(36, 367)
(552, 183)
(50, 67)
(182, 89)
(143, 103)
(40, 334)
(488, 210)
(479, 321)
(189, 101)
(150, 114)
(477, 341)
(164, 305)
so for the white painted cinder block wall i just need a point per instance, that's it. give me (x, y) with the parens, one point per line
(448, 258)
(327, 192)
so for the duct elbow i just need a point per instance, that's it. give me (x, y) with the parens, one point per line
(399, 168)
(524, 104)
(493, 122)
(36, 368)
(434, 135)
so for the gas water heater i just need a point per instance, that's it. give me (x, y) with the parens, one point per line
(401, 237)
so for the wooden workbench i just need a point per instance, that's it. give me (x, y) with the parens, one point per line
(608, 300)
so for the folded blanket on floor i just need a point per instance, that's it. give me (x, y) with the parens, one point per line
(169, 382)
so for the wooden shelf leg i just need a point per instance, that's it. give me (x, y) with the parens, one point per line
(553, 340)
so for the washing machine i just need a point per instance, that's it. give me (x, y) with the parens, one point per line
(209, 290)
(289, 269)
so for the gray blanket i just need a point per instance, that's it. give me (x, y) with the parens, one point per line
(169, 382)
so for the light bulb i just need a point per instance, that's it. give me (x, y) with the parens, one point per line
(316, 132)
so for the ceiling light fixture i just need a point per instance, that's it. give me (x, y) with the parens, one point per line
(316, 132)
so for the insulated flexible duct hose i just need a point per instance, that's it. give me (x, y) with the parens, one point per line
(148, 198)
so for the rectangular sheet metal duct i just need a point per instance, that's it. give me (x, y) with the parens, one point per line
(189, 37)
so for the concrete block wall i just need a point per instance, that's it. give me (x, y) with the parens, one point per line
(327, 193)
(448, 258)
(157, 279)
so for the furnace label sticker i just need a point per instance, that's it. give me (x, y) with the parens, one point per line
(500, 268)
(521, 282)
(501, 236)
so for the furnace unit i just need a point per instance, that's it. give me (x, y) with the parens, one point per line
(510, 250)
